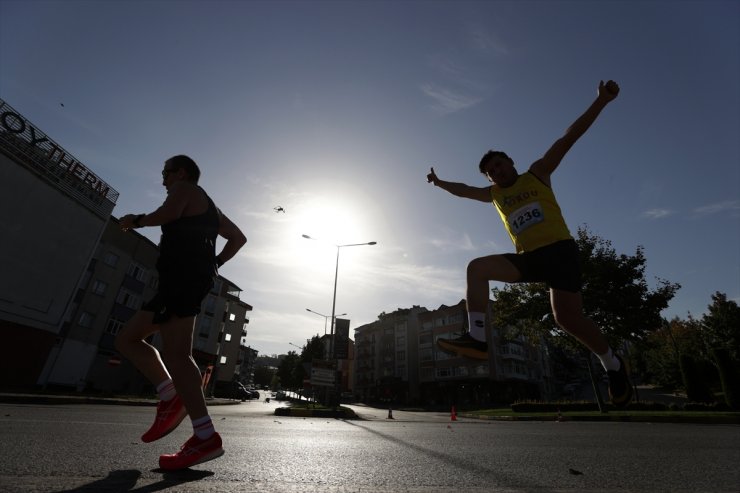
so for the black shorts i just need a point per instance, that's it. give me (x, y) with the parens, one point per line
(557, 264)
(178, 296)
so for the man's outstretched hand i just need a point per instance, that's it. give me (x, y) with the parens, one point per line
(432, 177)
(608, 91)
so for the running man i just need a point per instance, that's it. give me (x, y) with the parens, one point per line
(187, 264)
(546, 251)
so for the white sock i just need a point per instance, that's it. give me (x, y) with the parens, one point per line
(203, 427)
(609, 361)
(166, 390)
(477, 325)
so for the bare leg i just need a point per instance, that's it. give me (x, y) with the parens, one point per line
(145, 357)
(177, 339)
(482, 270)
(568, 310)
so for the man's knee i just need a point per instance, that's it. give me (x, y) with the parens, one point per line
(492, 268)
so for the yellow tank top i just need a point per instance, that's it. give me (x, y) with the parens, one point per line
(530, 213)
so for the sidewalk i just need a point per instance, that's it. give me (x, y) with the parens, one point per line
(20, 398)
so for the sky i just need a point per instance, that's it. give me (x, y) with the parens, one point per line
(336, 110)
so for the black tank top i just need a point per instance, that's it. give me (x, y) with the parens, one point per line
(187, 247)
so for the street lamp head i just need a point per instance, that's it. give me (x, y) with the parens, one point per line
(307, 237)
(373, 243)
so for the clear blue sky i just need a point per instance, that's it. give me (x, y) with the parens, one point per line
(336, 110)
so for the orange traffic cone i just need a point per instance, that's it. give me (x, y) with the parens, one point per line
(453, 414)
(390, 413)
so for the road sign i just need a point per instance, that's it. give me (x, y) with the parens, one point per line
(323, 372)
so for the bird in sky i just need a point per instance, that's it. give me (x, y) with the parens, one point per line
(279, 209)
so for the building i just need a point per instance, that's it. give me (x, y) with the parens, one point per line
(71, 278)
(53, 210)
(119, 279)
(387, 357)
(398, 361)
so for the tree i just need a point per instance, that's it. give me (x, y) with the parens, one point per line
(616, 297)
(721, 325)
(288, 371)
(263, 375)
(721, 331)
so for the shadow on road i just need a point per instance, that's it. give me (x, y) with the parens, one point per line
(506, 479)
(125, 481)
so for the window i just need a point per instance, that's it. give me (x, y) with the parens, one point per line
(400, 355)
(204, 325)
(210, 305)
(425, 338)
(99, 287)
(232, 317)
(426, 354)
(110, 259)
(136, 271)
(86, 319)
(227, 337)
(223, 360)
(113, 326)
(129, 299)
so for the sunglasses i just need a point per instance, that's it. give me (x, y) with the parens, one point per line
(166, 172)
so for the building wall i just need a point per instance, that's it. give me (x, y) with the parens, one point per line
(53, 210)
(398, 361)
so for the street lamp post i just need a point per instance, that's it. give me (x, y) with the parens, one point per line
(334, 299)
(326, 317)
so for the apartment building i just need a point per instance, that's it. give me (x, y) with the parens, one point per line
(387, 357)
(71, 278)
(119, 279)
(398, 360)
(53, 210)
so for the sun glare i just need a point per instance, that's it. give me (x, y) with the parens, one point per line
(333, 220)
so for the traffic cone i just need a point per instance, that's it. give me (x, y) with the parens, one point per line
(453, 414)
(390, 413)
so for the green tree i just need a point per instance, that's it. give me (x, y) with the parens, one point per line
(616, 297)
(721, 333)
(288, 371)
(263, 375)
(722, 325)
(314, 349)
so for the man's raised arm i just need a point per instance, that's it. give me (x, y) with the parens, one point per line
(460, 189)
(547, 164)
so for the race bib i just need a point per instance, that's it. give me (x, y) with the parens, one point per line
(524, 217)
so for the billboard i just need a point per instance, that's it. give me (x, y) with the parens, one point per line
(341, 338)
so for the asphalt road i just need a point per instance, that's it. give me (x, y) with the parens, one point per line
(95, 448)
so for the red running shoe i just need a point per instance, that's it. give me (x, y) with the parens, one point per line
(169, 415)
(195, 451)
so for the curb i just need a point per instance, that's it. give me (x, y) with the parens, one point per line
(316, 413)
(718, 420)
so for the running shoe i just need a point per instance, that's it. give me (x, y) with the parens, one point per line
(466, 346)
(195, 451)
(169, 415)
(620, 388)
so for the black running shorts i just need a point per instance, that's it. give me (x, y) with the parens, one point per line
(181, 297)
(558, 265)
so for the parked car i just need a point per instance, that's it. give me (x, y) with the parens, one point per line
(253, 392)
(232, 390)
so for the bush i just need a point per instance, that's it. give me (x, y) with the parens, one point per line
(696, 389)
(728, 374)
(553, 407)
